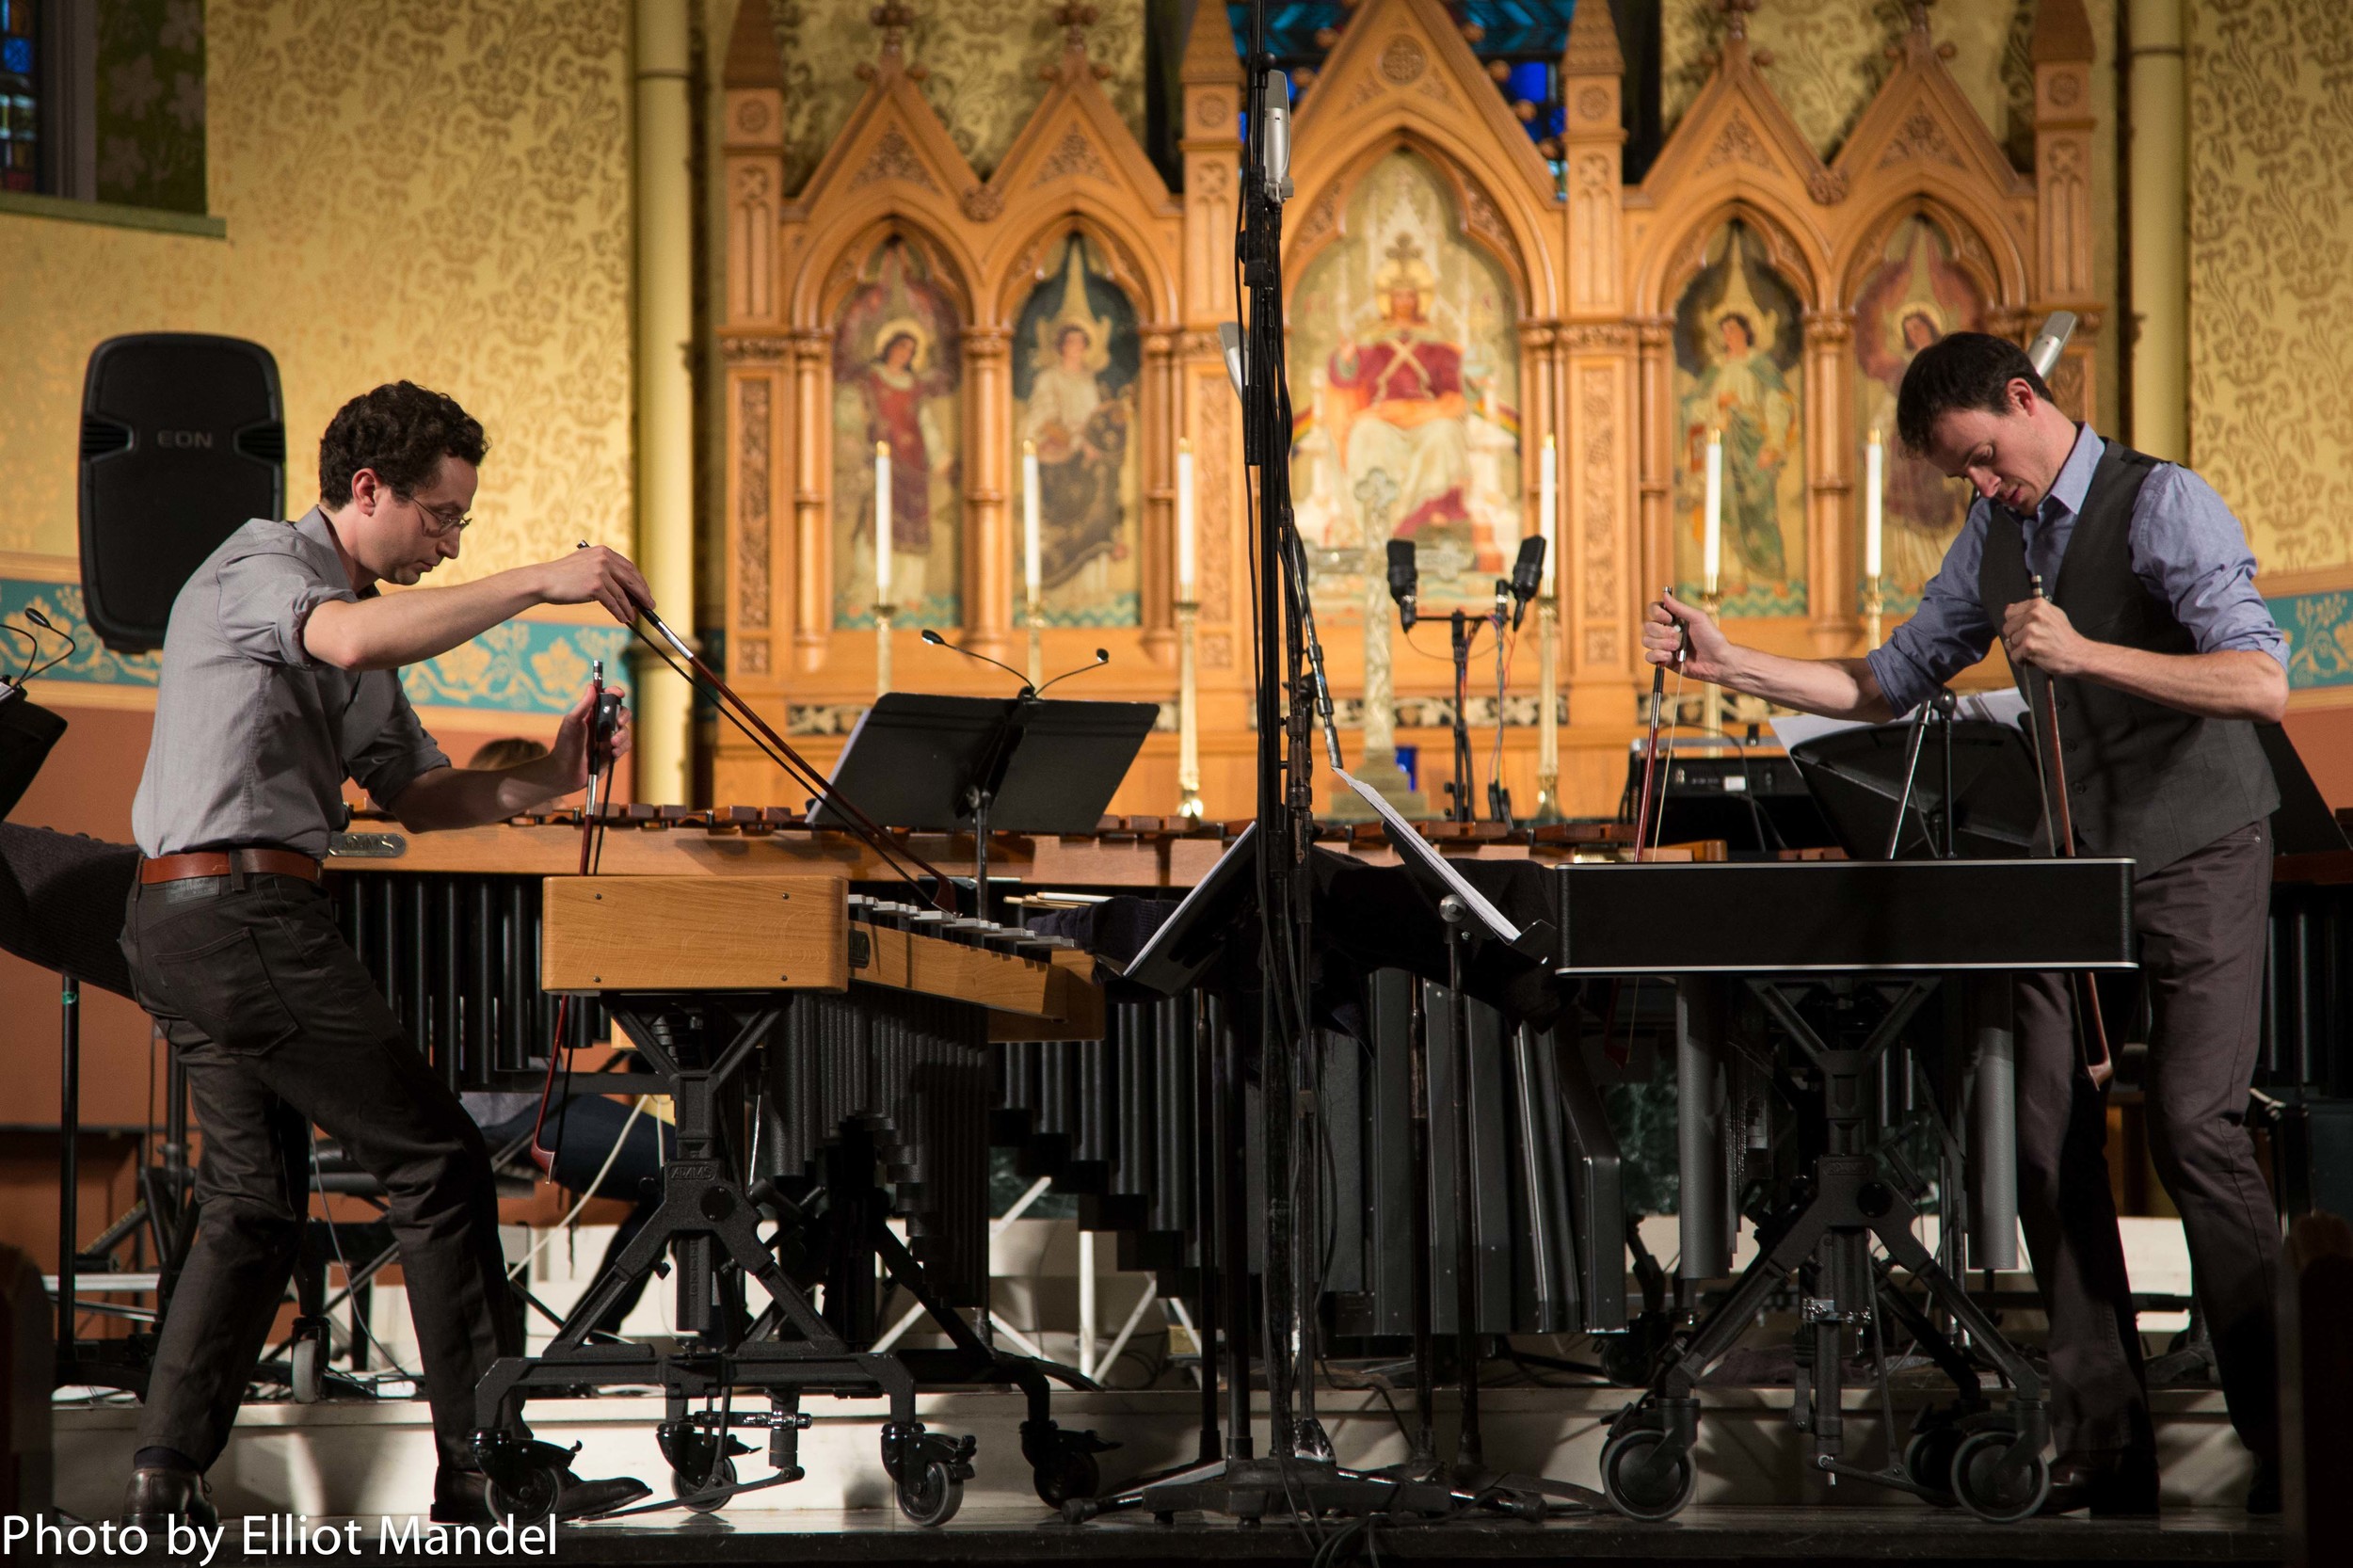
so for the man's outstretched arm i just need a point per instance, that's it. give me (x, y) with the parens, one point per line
(1834, 688)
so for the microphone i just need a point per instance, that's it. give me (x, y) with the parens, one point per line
(1270, 131)
(2044, 351)
(937, 641)
(1527, 576)
(1102, 657)
(1405, 580)
(1229, 341)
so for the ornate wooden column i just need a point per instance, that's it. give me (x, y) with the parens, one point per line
(1206, 411)
(987, 464)
(2063, 49)
(1833, 571)
(1607, 576)
(756, 565)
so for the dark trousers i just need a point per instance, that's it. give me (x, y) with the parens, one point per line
(280, 1028)
(2200, 926)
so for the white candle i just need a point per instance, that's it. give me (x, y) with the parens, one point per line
(1712, 541)
(882, 523)
(1184, 518)
(1547, 496)
(1029, 521)
(1873, 481)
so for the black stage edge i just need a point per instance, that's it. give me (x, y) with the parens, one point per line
(1812, 1537)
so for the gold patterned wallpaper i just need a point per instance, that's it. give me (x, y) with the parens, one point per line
(982, 59)
(1829, 56)
(2271, 289)
(459, 217)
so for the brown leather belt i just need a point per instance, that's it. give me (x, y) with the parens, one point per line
(254, 862)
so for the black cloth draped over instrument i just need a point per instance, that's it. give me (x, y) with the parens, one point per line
(61, 897)
(1367, 918)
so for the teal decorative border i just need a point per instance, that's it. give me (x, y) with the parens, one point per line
(91, 664)
(2320, 638)
(523, 668)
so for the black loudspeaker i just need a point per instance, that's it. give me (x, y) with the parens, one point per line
(184, 440)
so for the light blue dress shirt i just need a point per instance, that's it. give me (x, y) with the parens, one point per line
(2187, 550)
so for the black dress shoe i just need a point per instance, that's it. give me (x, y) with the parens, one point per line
(2262, 1491)
(2110, 1486)
(160, 1497)
(463, 1496)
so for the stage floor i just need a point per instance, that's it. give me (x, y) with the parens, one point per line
(1814, 1537)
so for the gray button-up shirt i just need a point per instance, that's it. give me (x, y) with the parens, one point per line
(2187, 550)
(253, 736)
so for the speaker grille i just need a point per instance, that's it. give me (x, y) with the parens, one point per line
(265, 442)
(103, 436)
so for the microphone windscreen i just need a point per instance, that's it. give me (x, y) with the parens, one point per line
(1528, 572)
(1405, 575)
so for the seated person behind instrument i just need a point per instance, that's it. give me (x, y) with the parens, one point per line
(582, 1130)
(280, 679)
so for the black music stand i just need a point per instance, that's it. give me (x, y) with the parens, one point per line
(983, 764)
(1472, 920)
(1859, 779)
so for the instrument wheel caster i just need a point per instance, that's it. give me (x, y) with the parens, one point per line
(931, 1497)
(1644, 1497)
(532, 1500)
(709, 1495)
(308, 1377)
(1998, 1493)
(1067, 1474)
(1928, 1460)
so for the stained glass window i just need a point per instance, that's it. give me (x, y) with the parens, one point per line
(19, 104)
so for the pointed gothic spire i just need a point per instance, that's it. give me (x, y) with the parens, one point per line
(2062, 32)
(1592, 49)
(1210, 53)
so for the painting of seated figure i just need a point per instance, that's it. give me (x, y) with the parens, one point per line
(1076, 360)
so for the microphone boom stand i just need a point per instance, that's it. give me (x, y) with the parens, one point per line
(1297, 1476)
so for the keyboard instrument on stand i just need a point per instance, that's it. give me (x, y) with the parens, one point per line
(1834, 958)
(808, 1040)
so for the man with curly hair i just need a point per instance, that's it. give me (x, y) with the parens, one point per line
(281, 678)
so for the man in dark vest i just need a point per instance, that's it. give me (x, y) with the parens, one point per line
(2163, 658)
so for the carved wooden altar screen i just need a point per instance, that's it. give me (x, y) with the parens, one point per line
(1456, 295)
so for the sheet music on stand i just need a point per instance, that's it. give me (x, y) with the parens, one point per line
(1411, 846)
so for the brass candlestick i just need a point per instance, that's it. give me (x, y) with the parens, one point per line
(1035, 619)
(882, 647)
(1187, 714)
(1874, 606)
(1548, 699)
(1712, 698)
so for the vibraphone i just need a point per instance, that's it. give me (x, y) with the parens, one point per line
(873, 1021)
(449, 924)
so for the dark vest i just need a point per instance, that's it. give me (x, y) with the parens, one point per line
(2144, 781)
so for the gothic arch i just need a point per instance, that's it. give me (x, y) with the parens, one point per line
(1995, 263)
(1478, 216)
(1134, 265)
(1668, 270)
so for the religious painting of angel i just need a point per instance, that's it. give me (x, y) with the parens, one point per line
(1404, 371)
(1076, 360)
(1740, 372)
(1916, 295)
(896, 360)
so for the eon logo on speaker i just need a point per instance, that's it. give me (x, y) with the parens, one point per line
(186, 439)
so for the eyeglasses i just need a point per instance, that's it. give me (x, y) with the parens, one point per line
(440, 522)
